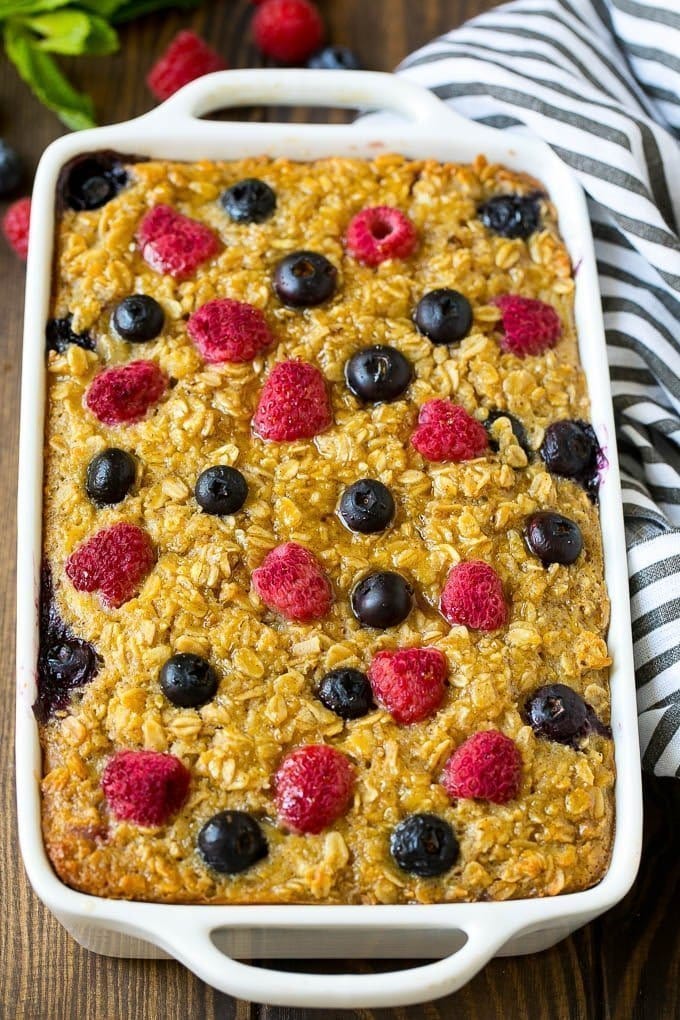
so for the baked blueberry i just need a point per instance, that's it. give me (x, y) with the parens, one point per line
(334, 58)
(347, 692)
(304, 279)
(10, 169)
(138, 318)
(231, 841)
(59, 334)
(444, 316)
(188, 681)
(378, 373)
(221, 490)
(382, 600)
(518, 430)
(558, 713)
(92, 182)
(109, 477)
(249, 201)
(366, 506)
(424, 845)
(71, 661)
(570, 448)
(511, 215)
(552, 537)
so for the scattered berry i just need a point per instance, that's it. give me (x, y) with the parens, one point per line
(138, 318)
(409, 682)
(529, 326)
(92, 181)
(294, 403)
(444, 316)
(383, 599)
(346, 692)
(558, 713)
(174, 244)
(187, 57)
(114, 561)
(314, 786)
(445, 431)
(226, 330)
(221, 490)
(380, 233)
(125, 393)
(145, 787)
(473, 597)
(59, 334)
(511, 215)
(188, 681)
(288, 30)
(378, 373)
(518, 430)
(488, 766)
(305, 279)
(424, 845)
(232, 841)
(570, 448)
(552, 537)
(109, 477)
(10, 169)
(15, 226)
(249, 201)
(334, 58)
(366, 506)
(292, 581)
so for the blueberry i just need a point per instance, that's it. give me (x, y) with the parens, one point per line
(367, 506)
(382, 600)
(570, 448)
(346, 692)
(59, 334)
(10, 169)
(518, 430)
(424, 845)
(334, 58)
(249, 201)
(109, 477)
(444, 316)
(231, 841)
(71, 661)
(304, 279)
(552, 537)
(378, 373)
(511, 215)
(188, 680)
(138, 318)
(558, 713)
(92, 182)
(221, 490)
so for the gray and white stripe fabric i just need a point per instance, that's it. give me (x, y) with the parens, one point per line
(599, 80)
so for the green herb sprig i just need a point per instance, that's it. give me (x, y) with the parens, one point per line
(34, 30)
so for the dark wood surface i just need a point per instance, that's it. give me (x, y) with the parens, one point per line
(624, 966)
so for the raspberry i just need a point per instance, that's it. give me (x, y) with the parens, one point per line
(409, 682)
(294, 403)
(125, 393)
(174, 244)
(314, 786)
(15, 226)
(380, 233)
(144, 786)
(186, 58)
(488, 766)
(291, 580)
(530, 326)
(445, 431)
(288, 30)
(473, 597)
(226, 330)
(114, 561)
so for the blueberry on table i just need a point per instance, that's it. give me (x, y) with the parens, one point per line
(109, 477)
(249, 201)
(59, 333)
(10, 169)
(571, 449)
(424, 845)
(558, 713)
(221, 490)
(366, 506)
(92, 182)
(138, 318)
(304, 279)
(383, 599)
(188, 681)
(511, 215)
(231, 841)
(552, 537)
(518, 430)
(444, 316)
(378, 373)
(334, 58)
(347, 692)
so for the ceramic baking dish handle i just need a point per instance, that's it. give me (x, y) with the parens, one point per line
(363, 90)
(196, 949)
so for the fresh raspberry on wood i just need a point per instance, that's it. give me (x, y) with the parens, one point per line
(173, 243)
(113, 561)
(227, 330)
(380, 233)
(288, 30)
(187, 57)
(314, 786)
(15, 225)
(529, 326)
(488, 766)
(294, 403)
(123, 394)
(145, 787)
(291, 580)
(445, 431)
(473, 597)
(409, 682)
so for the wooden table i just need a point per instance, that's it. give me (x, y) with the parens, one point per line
(625, 965)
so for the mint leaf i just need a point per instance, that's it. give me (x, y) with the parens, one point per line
(40, 72)
(62, 31)
(11, 8)
(105, 8)
(135, 8)
(102, 38)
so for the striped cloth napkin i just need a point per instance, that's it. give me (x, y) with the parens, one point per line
(599, 80)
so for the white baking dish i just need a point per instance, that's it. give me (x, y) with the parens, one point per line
(463, 937)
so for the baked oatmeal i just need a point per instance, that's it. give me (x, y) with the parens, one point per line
(323, 611)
